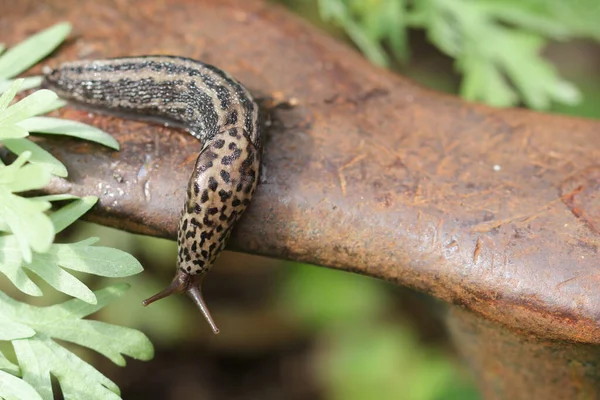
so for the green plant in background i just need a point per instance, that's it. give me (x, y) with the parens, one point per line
(496, 44)
(27, 231)
(362, 353)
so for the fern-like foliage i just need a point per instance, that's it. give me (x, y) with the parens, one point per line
(27, 230)
(496, 43)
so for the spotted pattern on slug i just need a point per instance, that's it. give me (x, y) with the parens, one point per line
(210, 105)
(221, 186)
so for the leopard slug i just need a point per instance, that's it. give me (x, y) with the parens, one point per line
(214, 108)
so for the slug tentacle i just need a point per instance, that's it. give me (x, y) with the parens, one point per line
(190, 285)
(211, 106)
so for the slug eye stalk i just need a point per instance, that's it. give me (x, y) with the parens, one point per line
(190, 285)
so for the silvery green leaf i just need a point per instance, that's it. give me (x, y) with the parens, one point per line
(27, 53)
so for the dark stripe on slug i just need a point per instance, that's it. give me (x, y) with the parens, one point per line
(222, 92)
(206, 78)
(249, 122)
(247, 103)
(177, 101)
(171, 68)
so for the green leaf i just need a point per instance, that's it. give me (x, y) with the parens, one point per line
(13, 388)
(483, 81)
(56, 216)
(8, 366)
(39, 156)
(31, 105)
(29, 82)
(41, 356)
(337, 11)
(10, 266)
(32, 371)
(19, 178)
(535, 20)
(71, 212)
(10, 93)
(55, 197)
(487, 38)
(535, 78)
(497, 46)
(97, 260)
(565, 92)
(394, 23)
(10, 330)
(580, 16)
(51, 106)
(22, 56)
(26, 219)
(78, 380)
(368, 46)
(81, 256)
(58, 126)
(12, 132)
(60, 279)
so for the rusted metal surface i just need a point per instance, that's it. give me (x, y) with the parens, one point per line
(514, 366)
(493, 210)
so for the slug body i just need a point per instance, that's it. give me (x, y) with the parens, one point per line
(211, 106)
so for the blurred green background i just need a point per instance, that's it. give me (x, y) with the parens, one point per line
(296, 331)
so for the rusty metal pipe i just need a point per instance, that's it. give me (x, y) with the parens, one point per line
(495, 211)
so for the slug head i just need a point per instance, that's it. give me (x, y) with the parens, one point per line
(190, 285)
(69, 82)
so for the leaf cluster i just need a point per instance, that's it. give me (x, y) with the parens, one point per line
(496, 44)
(28, 226)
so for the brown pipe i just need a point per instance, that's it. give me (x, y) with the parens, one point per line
(493, 210)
